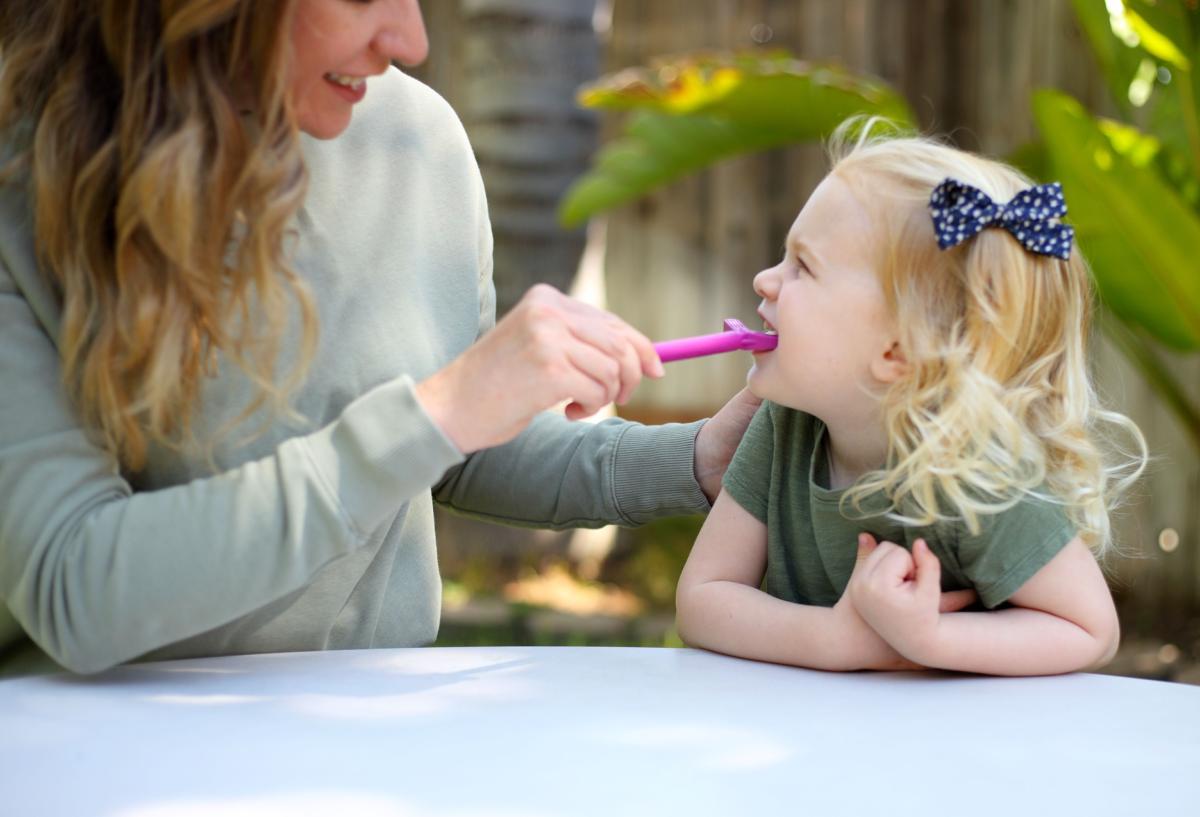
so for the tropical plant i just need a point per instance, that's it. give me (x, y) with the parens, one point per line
(691, 112)
(1134, 185)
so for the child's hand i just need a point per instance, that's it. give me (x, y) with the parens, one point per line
(900, 595)
(866, 648)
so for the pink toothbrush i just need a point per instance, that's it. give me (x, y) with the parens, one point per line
(736, 336)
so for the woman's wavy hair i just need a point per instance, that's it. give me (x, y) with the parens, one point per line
(164, 167)
(998, 402)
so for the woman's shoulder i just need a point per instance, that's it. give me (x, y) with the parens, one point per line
(402, 107)
(401, 127)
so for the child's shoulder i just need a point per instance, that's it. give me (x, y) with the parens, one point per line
(1006, 547)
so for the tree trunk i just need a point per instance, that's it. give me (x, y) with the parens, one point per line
(523, 62)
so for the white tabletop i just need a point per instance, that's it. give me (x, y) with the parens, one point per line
(581, 731)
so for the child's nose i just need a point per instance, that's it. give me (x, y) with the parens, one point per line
(766, 284)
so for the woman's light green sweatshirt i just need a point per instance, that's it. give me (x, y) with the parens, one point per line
(315, 535)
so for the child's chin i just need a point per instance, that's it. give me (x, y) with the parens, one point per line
(756, 383)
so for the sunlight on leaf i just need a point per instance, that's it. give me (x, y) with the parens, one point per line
(1143, 83)
(1139, 148)
(1155, 43)
(696, 110)
(1140, 236)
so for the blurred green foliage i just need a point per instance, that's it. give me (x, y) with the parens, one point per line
(1134, 185)
(691, 112)
(652, 561)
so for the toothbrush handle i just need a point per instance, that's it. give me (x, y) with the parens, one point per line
(698, 346)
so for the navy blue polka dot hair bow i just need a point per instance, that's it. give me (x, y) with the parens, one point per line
(1032, 216)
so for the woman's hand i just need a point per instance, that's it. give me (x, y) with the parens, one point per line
(718, 440)
(547, 349)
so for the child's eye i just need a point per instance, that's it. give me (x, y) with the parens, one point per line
(803, 267)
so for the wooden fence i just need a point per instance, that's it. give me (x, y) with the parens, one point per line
(682, 259)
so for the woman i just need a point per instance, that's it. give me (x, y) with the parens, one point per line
(241, 306)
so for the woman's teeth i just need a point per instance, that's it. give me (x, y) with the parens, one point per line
(350, 82)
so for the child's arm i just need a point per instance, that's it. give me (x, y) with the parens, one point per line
(719, 605)
(1063, 619)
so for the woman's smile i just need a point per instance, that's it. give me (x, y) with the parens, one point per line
(337, 46)
(352, 89)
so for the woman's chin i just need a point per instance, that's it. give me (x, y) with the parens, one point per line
(326, 126)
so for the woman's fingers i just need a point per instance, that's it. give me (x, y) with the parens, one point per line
(630, 349)
(549, 348)
(610, 334)
(585, 324)
(595, 378)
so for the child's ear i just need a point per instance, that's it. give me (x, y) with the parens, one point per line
(891, 365)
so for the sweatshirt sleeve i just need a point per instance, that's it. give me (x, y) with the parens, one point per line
(97, 574)
(562, 474)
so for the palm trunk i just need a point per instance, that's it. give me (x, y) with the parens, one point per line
(523, 61)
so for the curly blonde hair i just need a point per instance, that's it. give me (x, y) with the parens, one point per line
(998, 403)
(149, 132)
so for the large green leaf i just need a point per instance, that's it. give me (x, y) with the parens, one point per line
(693, 112)
(1141, 237)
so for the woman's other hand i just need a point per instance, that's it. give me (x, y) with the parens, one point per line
(718, 440)
(547, 349)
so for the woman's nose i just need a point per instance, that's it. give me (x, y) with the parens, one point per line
(402, 37)
(766, 284)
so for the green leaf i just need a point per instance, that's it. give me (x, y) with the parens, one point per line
(1031, 159)
(1119, 61)
(1157, 43)
(1141, 238)
(693, 112)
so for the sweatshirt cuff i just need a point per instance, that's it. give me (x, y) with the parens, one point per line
(381, 452)
(654, 472)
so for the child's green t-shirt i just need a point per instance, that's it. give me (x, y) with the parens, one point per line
(777, 475)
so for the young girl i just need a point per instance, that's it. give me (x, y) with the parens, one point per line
(929, 434)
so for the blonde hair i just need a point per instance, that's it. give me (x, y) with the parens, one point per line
(164, 168)
(998, 403)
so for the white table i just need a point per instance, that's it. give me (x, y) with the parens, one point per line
(582, 731)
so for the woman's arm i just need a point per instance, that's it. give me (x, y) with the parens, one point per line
(97, 574)
(720, 607)
(1063, 618)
